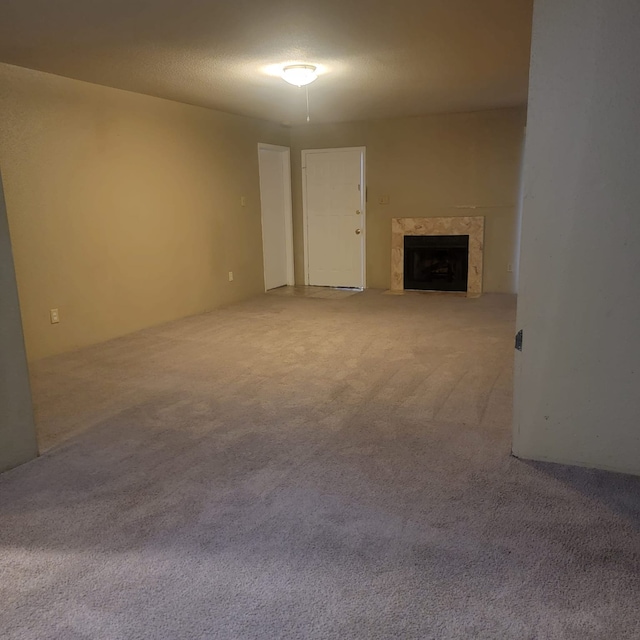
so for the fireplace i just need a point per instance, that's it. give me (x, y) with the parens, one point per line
(436, 263)
(443, 236)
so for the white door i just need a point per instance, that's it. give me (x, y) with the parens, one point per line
(334, 215)
(275, 202)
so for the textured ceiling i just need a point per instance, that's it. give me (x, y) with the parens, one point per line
(379, 58)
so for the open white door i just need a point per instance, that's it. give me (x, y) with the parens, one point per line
(334, 216)
(277, 227)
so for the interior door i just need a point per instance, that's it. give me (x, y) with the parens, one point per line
(275, 203)
(334, 208)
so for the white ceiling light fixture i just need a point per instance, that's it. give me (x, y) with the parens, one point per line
(299, 75)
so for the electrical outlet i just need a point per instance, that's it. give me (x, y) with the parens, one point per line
(230, 276)
(54, 315)
(243, 201)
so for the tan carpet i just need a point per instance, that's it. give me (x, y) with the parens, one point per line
(313, 468)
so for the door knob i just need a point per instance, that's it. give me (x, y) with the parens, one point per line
(358, 212)
(358, 232)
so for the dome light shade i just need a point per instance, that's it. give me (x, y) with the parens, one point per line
(299, 74)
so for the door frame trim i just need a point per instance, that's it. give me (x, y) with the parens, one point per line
(363, 208)
(288, 210)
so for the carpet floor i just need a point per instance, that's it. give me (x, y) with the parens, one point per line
(299, 467)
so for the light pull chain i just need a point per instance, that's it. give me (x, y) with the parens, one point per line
(307, 92)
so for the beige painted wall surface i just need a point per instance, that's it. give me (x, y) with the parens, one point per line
(17, 427)
(429, 166)
(124, 209)
(577, 378)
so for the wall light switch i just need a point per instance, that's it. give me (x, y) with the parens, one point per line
(384, 200)
(243, 201)
(54, 315)
(230, 276)
(510, 268)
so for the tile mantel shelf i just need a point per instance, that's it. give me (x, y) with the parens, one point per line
(472, 226)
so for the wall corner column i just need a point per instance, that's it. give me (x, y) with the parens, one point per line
(17, 427)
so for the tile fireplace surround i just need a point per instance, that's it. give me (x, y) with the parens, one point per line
(453, 226)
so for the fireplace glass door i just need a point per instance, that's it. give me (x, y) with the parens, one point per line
(436, 263)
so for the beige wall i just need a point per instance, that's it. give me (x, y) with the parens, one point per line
(17, 428)
(577, 378)
(124, 209)
(430, 166)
